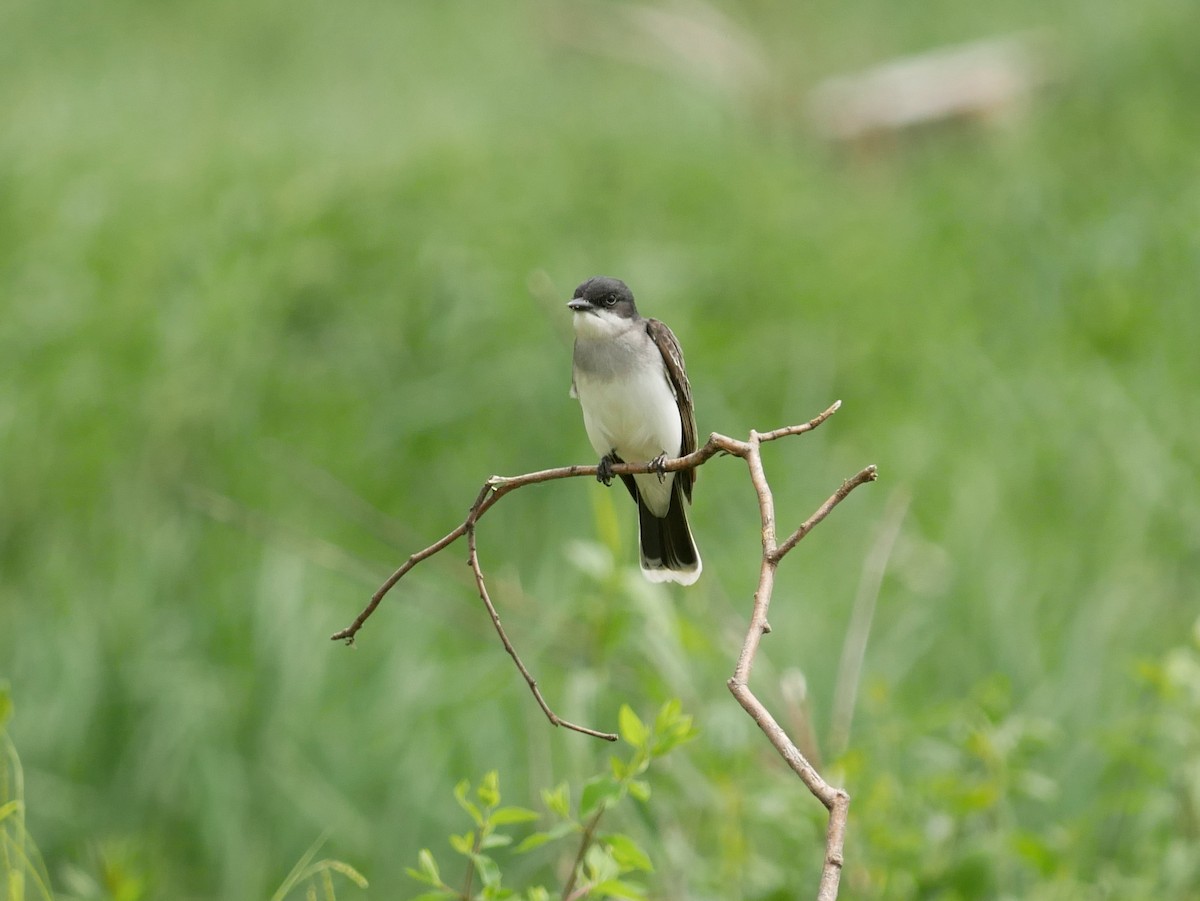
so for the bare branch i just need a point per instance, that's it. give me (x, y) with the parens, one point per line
(870, 474)
(529, 680)
(804, 427)
(836, 801)
(349, 632)
(497, 486)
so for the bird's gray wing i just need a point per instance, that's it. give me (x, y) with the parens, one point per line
(672, 355)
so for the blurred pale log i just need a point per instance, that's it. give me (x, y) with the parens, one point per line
(980, 80)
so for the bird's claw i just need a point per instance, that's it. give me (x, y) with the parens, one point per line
(658, 465)
(604, 473)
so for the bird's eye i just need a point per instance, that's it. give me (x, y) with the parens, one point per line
(610, 300)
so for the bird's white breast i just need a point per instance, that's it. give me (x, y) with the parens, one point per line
(635, 414)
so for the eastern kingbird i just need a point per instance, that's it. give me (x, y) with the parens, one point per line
(637, 408)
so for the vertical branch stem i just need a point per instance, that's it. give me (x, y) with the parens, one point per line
(836, 801)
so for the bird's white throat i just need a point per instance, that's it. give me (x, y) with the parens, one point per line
(598, 324)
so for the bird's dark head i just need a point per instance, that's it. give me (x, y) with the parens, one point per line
(606, 296)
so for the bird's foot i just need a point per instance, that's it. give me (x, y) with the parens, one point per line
(658, 465)
(604, 473)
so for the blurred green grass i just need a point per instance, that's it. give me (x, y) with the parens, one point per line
(279, 280)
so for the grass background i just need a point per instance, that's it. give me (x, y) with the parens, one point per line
(281, 281)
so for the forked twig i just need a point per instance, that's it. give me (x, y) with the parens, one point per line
(836, 800)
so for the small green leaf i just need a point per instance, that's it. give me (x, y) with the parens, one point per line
(618, 766)
(495, 893)
(537, 893)
(416, 874)
(627, 854)
(639, 764)
(497, 840)
(616, 888)
(672, 727)
(489, 872)
(668, 714)
(632, 729)
(640, 790)
(536, 840)
(558, 800)
(427, 869)
(428, 865)
(506, 815)
(599, 865)
(540, 838)
(488, 792)
(463, 844)
(460, 795)
(599, 791)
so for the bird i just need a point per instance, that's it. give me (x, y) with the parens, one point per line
(629, 377)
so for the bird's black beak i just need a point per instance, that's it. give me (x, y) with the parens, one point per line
(578, 304)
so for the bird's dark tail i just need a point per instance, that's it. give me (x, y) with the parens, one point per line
(668, 551)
